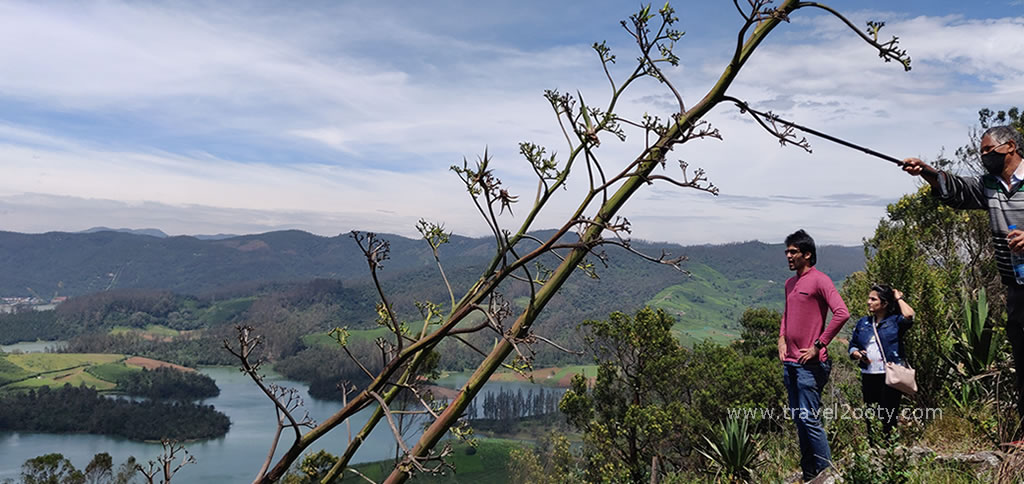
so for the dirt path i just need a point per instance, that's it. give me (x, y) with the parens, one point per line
(151, 364)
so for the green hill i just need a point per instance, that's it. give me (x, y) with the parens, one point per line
(125, 282)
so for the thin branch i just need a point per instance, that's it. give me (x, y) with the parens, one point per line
(888, 51)
(742, 13)
(246, 347)
(470, 345)
(663, 259)
(435, 236)
(394, 430)
(376, 252)
(472, 329)
(556, 345)
(360, 474)
(785, 135)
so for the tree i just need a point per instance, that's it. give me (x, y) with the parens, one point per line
(50, 469)
(100, 469)
(652, 398)
(760, 332)
(520, 257)
(56, 469)
(637, 408)
(551, 462)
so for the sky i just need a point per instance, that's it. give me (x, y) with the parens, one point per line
(246, 117)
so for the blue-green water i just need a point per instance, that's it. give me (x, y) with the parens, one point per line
(237, 456)
(32, 346)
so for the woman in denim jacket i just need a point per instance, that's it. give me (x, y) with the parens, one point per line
(891, 316)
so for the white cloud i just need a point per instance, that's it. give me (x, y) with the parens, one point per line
(314, 120)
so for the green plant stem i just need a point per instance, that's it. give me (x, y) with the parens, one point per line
(503, 348)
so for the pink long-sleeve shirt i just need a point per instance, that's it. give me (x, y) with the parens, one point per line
(808, 298)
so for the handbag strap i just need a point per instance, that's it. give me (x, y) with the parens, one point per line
(878, 341)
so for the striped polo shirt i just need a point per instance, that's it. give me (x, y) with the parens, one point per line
(1005, 207)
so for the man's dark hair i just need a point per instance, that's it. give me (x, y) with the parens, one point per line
(804, 242)
(888, 298)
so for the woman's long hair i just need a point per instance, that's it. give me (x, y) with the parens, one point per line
(888, 298)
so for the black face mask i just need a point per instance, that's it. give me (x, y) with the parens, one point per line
(994, 162)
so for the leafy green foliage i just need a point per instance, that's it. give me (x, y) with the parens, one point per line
(312, 468)
(30, 326)
(324, 367)
(166, 383)
(51, 469)
(977, 345)
(760, 332)
(928, 251)
(653, 397)
(56, 469)
(81, 409)
(733, 450)
(112, 372)
(10, 372)
(634, 410)
(551, 461)
(488, 461)
(187, 351)
(886, 464)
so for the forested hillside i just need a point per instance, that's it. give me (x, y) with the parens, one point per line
(122, 282)
(177, 298)
(72, 264)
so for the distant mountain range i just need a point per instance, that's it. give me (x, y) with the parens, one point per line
(724, 280)
(99, 259)
(154, 233)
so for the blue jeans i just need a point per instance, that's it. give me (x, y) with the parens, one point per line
(804, 384)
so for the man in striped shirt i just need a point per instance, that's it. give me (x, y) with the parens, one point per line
(999, 192)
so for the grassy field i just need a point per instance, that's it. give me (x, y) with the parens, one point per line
(74, 376)
(111, 372)
(154, 330)
(10, 372)
(489, 464)
(224, 311)
(709, 305)
(34, 370)
(558, 376)
(48, 362)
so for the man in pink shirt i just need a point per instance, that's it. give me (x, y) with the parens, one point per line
(803, 341)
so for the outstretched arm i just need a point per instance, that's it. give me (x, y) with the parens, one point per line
(955, 191)
(916, 167)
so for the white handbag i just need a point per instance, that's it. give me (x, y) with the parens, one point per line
(897, 376)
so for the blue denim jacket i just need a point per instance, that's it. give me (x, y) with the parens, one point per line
(890, 332)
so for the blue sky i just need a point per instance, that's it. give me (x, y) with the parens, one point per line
(242, 117)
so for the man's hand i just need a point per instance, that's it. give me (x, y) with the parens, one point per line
(782, 348)
(1015, 241)
(807, 354)
(916, 167)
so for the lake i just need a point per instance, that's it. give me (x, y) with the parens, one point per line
(32, 346)
(237, 456)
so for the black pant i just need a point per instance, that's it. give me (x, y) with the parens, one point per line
(1015, 333)
(885, 400)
